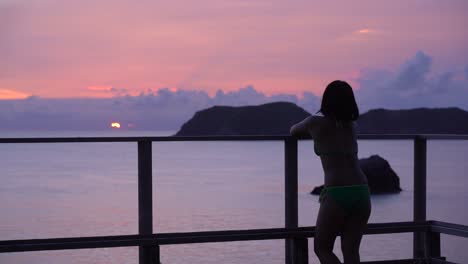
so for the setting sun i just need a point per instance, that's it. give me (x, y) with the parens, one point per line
(115, 125)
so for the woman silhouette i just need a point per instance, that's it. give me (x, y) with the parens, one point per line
(344, 201)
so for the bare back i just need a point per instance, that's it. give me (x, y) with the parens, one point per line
(338, 147)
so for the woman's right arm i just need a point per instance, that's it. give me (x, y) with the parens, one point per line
(307, 127)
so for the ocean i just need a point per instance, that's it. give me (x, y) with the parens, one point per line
(90, 189)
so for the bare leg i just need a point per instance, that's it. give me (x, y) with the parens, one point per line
(330, 221)
(352, 234)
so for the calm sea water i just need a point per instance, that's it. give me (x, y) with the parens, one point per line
(90, 189)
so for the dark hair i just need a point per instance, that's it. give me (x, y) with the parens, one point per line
(338, 102)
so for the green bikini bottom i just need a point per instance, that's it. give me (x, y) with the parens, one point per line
(351, 197)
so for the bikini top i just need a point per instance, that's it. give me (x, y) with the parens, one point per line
(336, 152)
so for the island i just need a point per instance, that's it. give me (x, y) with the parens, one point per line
(267, 119)
(450, 120)
(277, 118)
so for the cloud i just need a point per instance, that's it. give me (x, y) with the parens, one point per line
(105, 88)
(162, 109)
(107, 91)
(55, 48)
(310, 102)
(414, 84)
(413, 73)
(365, 31)
(6, 94)
(244, 96)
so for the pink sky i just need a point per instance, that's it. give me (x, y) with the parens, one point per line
(52, 48)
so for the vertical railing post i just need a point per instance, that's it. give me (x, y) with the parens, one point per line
(291, 211)
(145, 198)
(419, 206)
(433, 245)
(301, 251)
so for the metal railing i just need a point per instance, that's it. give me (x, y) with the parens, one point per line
(431, 229)
(426, 239)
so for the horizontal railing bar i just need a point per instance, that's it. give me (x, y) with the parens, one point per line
(449, 228)
(396, 261)
(218, 138)
(162, 238)
(135, 139)
(282, 233)
(446, 224)
(109, 243)
(445, 137)
(190, 237)
(72, 239)
(396, 227)
(440, 261)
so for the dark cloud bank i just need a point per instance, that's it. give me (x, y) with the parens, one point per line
(412, 85)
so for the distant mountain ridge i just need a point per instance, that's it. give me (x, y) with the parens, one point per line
(276, 119)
